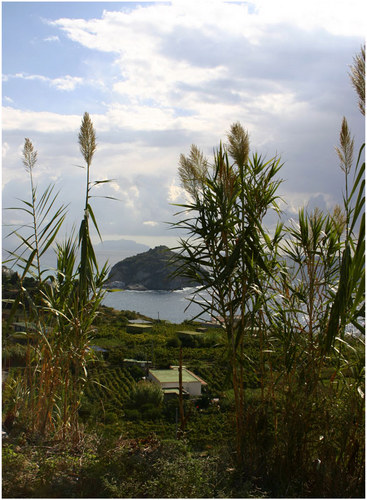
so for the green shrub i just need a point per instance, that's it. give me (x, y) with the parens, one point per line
(151, 412)
(227, 401)
(150, 469)
(14, 354)
(110, 418)
(203, 402)
(16, 471)
(85, 410)
(137, 372)
(211, 339)
(173, 342)
(34, 473)
(116, 356)
(132, 414)
(145, 393)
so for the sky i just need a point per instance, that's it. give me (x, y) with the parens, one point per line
(155, 78)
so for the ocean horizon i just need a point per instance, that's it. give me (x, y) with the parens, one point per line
(173, 306)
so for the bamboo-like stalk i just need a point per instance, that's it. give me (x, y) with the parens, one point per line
(224, 222)
(63, 311)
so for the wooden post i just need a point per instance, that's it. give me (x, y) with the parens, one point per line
(182, 415)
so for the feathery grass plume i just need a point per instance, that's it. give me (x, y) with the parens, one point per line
(29, 155)
(345, 154)
(37, 236)
(239, 144)
(29, 161)
(192, 171)
(87, 142)
(338, 218)
(87, 139)
(346, 150)
(357, 76)
(226, 174)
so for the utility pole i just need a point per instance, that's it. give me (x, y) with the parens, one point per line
(153, 354)
(182, 414)
(176, 423)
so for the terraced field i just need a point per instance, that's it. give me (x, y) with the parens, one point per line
(110, 387)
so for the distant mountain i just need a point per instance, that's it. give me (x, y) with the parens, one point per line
(107, 250)
(150, 270)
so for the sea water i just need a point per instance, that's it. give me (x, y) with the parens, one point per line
(173, 306)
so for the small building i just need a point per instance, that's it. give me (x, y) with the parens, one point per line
(185, 334)
(139, 326)
(22, 326)
(173, 393)
(169, 380)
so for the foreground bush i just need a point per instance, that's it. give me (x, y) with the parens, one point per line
(145, 468)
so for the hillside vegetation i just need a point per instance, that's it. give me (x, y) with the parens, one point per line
(123, 445)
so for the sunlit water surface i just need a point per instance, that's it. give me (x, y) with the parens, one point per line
(155, 304)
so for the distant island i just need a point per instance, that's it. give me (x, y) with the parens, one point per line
(151, 270)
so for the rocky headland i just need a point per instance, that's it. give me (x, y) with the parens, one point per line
(151, 270)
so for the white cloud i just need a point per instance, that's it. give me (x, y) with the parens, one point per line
(23, 76)
(137, 117)
(151, 223)
(336, 16)
(53, 38)
(66, 82)
(311, 200)
(147, 73)
(134, 192)
(175, 192)
(129, 196)
(6, 148)
(44, 121)
(182, 73)
(183, 63)
(115, 186)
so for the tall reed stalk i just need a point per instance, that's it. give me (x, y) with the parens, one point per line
(62, 310)
(317, 299)
(225, 249)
